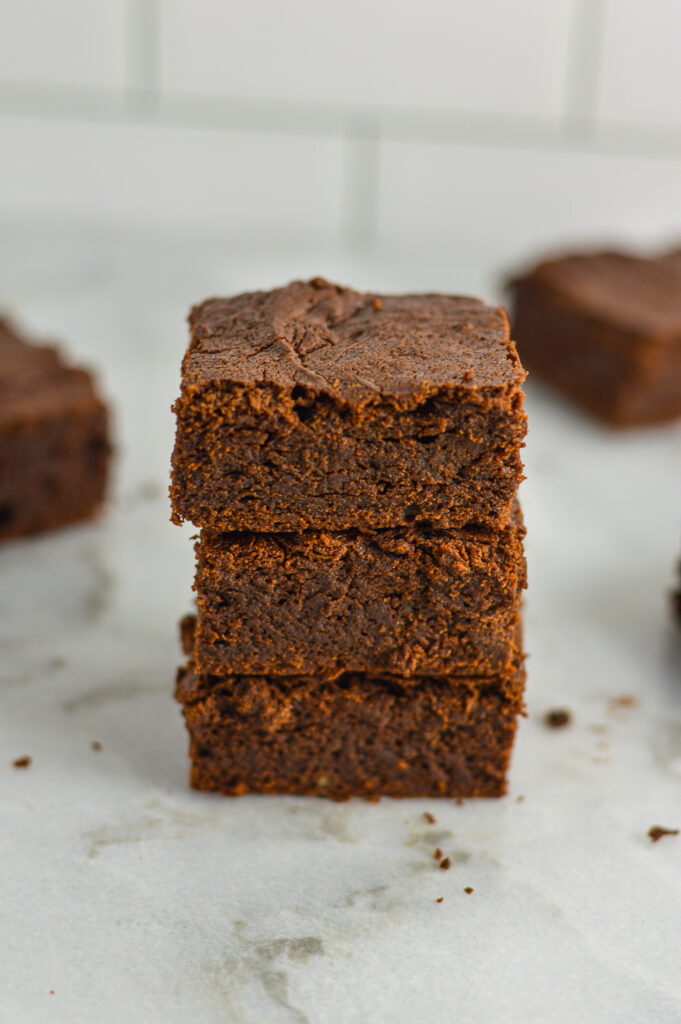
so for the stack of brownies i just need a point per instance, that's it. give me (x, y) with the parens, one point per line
(352, 462)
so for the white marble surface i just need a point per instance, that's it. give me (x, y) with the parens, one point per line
(126, 897)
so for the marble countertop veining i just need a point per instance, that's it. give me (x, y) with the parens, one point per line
(125, 896)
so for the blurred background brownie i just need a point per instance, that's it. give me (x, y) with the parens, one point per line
(605, 329)
(54, 439)
(317, 407)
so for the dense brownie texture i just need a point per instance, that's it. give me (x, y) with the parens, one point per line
(356, 736)
(54, 439)
(407, 601)
(316, 407)
(605, 328)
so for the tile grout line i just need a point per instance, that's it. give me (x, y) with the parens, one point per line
(143, 58)
(409, 125)
(583, 67)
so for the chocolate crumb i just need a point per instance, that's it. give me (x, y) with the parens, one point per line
(23, 762)
(377, 303)
(468, 890)
(430, 818)
(627, 700)
(439, 899)
(558, 718)
(96, 745)
(438, 854)
(445, 864)
(656, 832)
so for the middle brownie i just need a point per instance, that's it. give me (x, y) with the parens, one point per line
(408, 601)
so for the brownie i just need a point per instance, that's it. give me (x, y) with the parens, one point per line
(407, 601)
(354, 736)
(676, 593)
(54, 439)
(317, 407)
(605, 329)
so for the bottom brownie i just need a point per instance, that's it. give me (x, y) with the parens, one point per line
(356, 735)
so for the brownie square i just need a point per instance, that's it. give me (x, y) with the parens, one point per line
(605, 329)
(354, 736)
(54, 439)
(317, 407)
(406, 601)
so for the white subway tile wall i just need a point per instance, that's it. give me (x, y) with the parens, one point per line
(68, 42)
(488, 57)
(235, 184)
(375, 121)
(641, 63)
(533, 199)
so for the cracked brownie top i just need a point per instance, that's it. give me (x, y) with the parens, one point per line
(356, 347)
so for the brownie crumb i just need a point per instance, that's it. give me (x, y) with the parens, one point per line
(318, 282)
(558, 718)
(656, 832)
(23, 762)
(627, 700)
(438, 854)
(96, 745)
(468, 890)
(445, 864)
(430, 818)
(377, 303)
(439, 899)
(520, 799)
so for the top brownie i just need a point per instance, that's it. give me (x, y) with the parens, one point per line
(314, 406)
